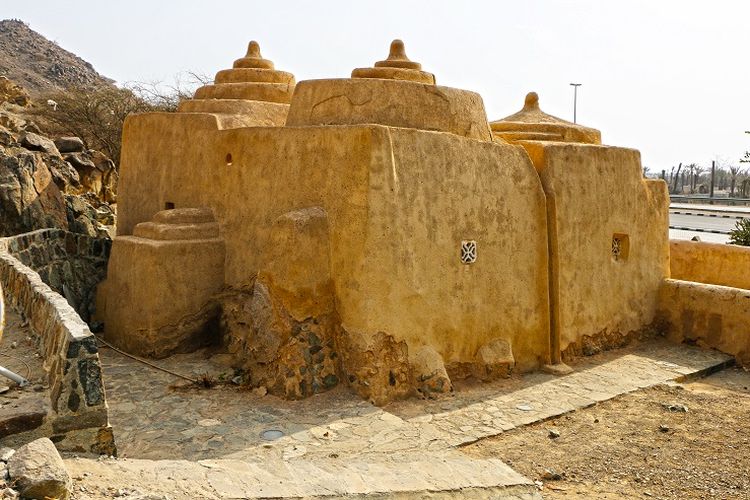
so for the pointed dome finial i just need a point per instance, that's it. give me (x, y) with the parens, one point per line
(531, 102)
(253, 59)
(397, 58)
(398, 51)
(253, 50)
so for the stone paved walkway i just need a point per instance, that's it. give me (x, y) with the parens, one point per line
(335, 443)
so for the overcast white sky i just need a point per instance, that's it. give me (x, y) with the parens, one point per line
(670, 78)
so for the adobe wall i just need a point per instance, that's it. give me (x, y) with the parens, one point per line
(439, 189)
(78, 418)
(595, 194)
(714, 263)
(427, 193)
(712, 316)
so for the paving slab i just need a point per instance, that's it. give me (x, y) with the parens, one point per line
(335, 444)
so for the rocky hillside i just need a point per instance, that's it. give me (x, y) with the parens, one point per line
(39, 65)
(49, 184)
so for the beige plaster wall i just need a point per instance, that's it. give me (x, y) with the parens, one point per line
(427, 193)
(593, 193)
(713, 263)
(156, 294)
(399, 202)
(710, 315)
(395, 103)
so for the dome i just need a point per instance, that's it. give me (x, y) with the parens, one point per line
(533, 124)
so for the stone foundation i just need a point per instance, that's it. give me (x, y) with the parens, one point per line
(291, 358)
(77, 419)
(607, 340)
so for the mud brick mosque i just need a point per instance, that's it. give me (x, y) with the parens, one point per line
(377, 231)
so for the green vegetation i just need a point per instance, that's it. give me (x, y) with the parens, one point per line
(740, 235)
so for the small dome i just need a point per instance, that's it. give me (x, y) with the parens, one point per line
(251, 78)
(533, 124)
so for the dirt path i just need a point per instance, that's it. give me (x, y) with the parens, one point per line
(641, 445)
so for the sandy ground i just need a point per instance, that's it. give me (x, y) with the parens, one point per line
(683, 441)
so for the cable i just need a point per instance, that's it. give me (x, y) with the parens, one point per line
(107, 344)
(28, 368)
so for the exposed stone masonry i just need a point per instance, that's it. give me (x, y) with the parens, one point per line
(71, 264)
(78, 415)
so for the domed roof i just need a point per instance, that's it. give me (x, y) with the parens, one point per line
(251, 78)
(531, 123)
(396, 67)
(395, 92)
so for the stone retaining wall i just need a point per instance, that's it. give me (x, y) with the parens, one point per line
(71, 264)
(78, 415)
(711, 316)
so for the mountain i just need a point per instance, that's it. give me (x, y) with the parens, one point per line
(39, 65)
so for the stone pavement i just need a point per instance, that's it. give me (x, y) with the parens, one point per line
(21, 408)
(336, 444)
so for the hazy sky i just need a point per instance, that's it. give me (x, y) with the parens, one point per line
(670, 78)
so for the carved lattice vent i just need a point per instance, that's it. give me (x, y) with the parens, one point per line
(620, 247)
(468, 251)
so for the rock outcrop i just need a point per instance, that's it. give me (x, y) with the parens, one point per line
(13, 93)
(44, 188)
(282, 330)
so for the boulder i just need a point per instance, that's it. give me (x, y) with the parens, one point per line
(35, 142)
(69, 145)
(38, 472)
(428, 370)
(6, 137)
(13, 93)
(29, 198)
(11, 121)
(79, 161)
(6, 453)
(8, 494)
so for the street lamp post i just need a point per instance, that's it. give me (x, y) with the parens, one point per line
(575, 100)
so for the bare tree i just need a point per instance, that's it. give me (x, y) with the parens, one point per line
(675, 177)
(734, 171)
(697, 171)
(97, 116)
(166, 97)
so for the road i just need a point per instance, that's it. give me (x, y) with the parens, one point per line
(708, 222)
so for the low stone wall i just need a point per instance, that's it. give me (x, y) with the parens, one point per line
(711, 316)
(71, 264)
(78, 415)
(713, 263)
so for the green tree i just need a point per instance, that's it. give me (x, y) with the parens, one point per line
(740, 235)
